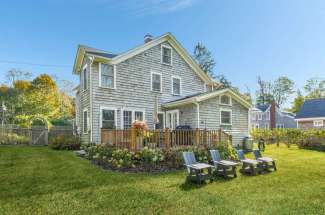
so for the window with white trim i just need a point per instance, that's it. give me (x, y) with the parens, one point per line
(106, 75)
(161, 121)
(166, 55)
(225, 117)
(85, 78)
(259, 116)
(85, 121)
(256, 126)
(176, 85)
(318, 123)
(138, 115)
(268, 115)
(127, 119)
(156, 80)
(225, 100)
(279, 126)
(108, 118)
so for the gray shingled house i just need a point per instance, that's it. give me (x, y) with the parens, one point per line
(115, 90)
(271, 116)
(312, 114)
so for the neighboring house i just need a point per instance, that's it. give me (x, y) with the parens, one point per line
(271, 116)
(311, 114)
(115, 90)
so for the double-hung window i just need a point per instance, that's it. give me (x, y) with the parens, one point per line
(129, 116)
(156, 80)
(85, 121)
(176, 85)
(85, 78)
(107, 118)
(106, 75)
(225, 117)
(166, 55)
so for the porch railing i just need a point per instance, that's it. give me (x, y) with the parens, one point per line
(135, 139)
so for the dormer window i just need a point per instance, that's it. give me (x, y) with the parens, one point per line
(166, 55)
(225, 100)
(106, 75)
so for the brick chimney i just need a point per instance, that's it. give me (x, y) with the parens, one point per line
(272, 115)
(147, 38)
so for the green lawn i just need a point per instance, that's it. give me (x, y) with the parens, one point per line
(37, 180)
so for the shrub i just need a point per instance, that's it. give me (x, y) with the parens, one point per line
(63, 142)
(122, 158)
(13, 139)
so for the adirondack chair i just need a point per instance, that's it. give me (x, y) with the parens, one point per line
(224, 168)
(195, 169)
(267, 162)
(249, 165)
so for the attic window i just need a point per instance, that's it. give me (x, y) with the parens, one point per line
(225, 100)
(166, 55)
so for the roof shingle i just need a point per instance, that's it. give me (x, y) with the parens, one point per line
(312, 108)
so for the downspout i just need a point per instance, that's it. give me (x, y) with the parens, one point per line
(91, 58)
(198, 113)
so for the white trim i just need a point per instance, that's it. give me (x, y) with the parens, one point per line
(100, 75)
(172, 112)
(83, 121)
(225, 110)
(91, 98)
(198, 114)
(200, 98)
(310, 119)
(101, 108)
(259, 116)
(156, 73)
(132, 110)
(180, 85)
(318, 123)
(171, 54)
(230, 100)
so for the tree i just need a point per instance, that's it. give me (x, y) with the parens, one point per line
(15, 74)
(224, 81)
(282, 89)
(315, 88)
(204, 58)
(264, 93)
(297, 102)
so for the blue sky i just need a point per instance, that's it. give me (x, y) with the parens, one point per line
(248, 38)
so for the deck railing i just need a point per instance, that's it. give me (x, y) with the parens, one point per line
(135, 139)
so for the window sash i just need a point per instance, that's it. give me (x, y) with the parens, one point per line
(138, 115)
(160, 125)
(225, 100)
(156, 82)
(108, 119)
(166, 55)
(225, 117)
(107, 75)
(127, 119)
(176, 86)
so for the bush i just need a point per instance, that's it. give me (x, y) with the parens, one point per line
(63, 142)
(13, 139)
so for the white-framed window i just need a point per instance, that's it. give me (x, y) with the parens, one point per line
(156, 82)
(318, 123)
(85, 121)
(279, 125)
(225, 117)
(129, 116)
(172, 119)
(259, 116)
(225, 100)
(267, 126)
(85, 79)
(176, 85)
(161, 121)
(108, 117)
(166, 55)
(107, 75)
(267, 115)
(255, 125)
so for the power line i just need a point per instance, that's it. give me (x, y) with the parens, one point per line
(33, 64)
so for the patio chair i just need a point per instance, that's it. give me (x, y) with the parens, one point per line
(195, 169)
(224, 168)
(249, 165)
(267, 162)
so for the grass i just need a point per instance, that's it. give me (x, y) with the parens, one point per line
(38, 180)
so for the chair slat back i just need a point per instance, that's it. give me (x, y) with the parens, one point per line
(257, 153)
(240, 154)
(215, 155)
(189, 159)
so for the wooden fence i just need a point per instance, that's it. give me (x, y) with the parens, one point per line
(135, 139)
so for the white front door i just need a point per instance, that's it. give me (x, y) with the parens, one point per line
(172, 119)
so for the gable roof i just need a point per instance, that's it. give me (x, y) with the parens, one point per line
(312, 108)
(263, 108)
(207, 95)
(115, 59)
